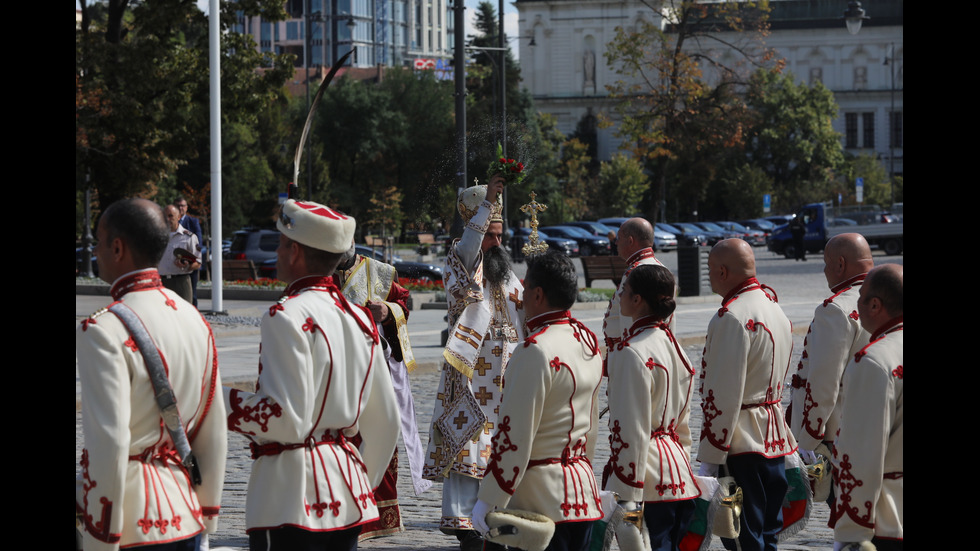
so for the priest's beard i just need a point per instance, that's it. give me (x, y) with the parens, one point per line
(496, 266)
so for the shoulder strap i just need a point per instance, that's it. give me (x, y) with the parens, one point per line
(162, 391)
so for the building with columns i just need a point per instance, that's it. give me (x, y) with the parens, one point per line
(565, 70)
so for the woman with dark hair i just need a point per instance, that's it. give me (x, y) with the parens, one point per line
(650, 386)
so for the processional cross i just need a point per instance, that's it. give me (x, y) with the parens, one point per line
(534, 245)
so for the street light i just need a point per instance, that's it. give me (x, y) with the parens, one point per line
(854, 16)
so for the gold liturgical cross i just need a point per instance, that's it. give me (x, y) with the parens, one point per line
(533, 245)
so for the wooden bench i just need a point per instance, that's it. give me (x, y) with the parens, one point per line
(603, 267)
(233, 270)
(427, 242)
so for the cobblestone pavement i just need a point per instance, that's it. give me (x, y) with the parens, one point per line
(800, 287)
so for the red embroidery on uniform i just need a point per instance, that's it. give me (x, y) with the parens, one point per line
(131, 344)
(277, 307)
(617, 445)
(145, 524)
(175, 522)
(162, 525)
(710, 412)
(86, 322)
(496, 454)
(854, 315)
(846, 484)
(897, 372)
(100, 528)
(650, 364)
(169, 302)
(259, 414)
(210, 512)
(310, 325)
(557, 364)
(808, 404)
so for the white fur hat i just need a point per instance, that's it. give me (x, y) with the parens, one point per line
(317, 226)
(523, 529)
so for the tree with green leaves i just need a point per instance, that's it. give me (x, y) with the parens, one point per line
(678, 92)
(483, 93)
(876, 185)
(381, 136)
(621, 185)
(141, 103)
(790, 137)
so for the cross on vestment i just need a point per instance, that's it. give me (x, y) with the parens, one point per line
(460, 420)
(483, 395)
(482, 367)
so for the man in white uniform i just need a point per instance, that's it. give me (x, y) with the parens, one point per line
(868, 456)
(322, 379)
(546, 434)
(833, 338)
(745, 361)
(486, 317)
(135, 489)
(635, 243)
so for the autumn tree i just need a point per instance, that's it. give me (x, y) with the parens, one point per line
(680, 68)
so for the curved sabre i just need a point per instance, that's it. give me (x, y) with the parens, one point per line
(309, 116)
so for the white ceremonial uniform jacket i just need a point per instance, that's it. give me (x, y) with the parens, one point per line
(650, 386)
(868, 454)
(322, 379)
(134, 490)
(546, 433)
(614, 324)
(486, 326)
(743, 368)
(833, 338)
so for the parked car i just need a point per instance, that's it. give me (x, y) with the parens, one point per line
(560, 244)
(614, 222)
(690, 239)
(707, 237)
(588, 244)
(595, 228)
(253, 244)
(755, 238)
(714, 227)
(761, 224)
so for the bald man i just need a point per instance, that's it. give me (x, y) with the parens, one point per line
(835, 335)
(868, 457)
(745, 361)
(635, 243)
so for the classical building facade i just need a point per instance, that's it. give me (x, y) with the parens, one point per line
(566, 72)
